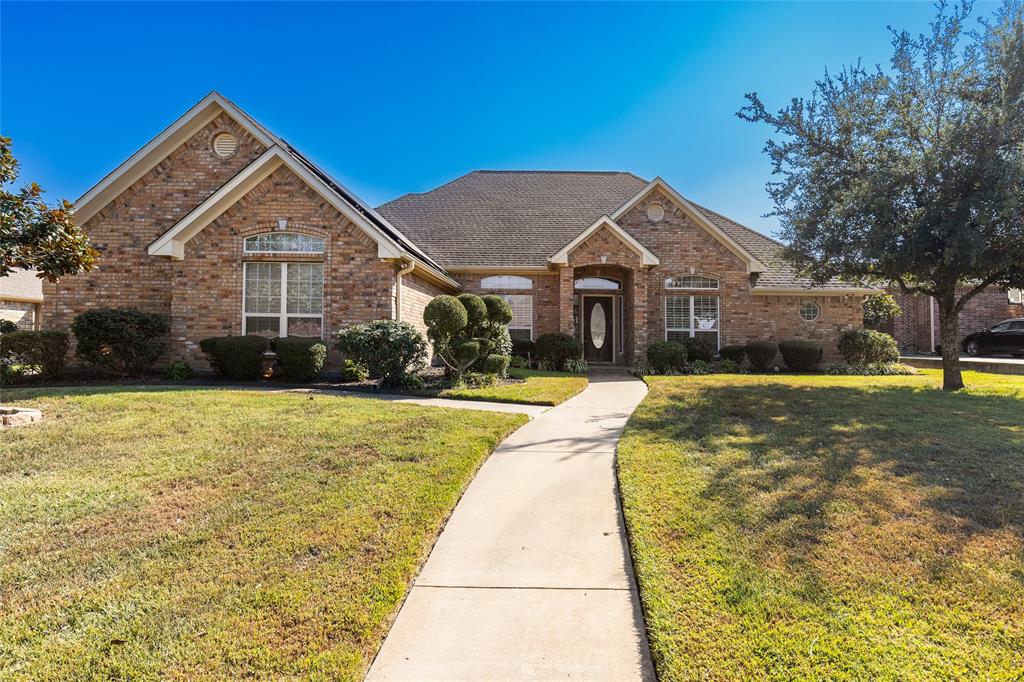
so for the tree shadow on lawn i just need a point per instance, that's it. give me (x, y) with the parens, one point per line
(899, 478)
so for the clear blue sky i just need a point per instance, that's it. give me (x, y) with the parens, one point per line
(395, 98)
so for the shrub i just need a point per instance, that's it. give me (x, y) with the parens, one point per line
(500, 342)
(476, 313)
(735, 353)
(876, 369)
(478, 380)
(519, 363)
(466, 328)
(880, 308)
(761, 354)
(389, 350)
(641, 369)
(866, 347)
(237, 357)
(576, 366)
(699, 348)
(300, 359)
(497, 364)
(699, 367)
(728, 366)
(446, 315)
(555, 350)
(125, 341)
(178, 371)
(498, 309)
(7, 327)
(800, 355)
(352, 371)
(207, 345)
(524, 348)
(45, 351)
(666, 355)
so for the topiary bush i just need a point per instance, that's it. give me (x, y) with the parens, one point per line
(299, 359)
(466, 328)
(497, 365)
(866, 347)
(665, 356)
(125, 341)
(761, 354)
(800, 355)
(239, 358)
(735, 353)
(44, 351)
(555, 350)
(390, 351)
(699, 348)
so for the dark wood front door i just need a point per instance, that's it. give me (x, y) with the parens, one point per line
(598, 329)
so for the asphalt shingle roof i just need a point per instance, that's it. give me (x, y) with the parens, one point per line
(521, 218)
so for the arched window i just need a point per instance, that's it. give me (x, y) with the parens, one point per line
(691, 282)
(283, 242)
(506, 282)
(604, 283)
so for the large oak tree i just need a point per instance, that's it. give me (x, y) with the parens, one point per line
(911, 173)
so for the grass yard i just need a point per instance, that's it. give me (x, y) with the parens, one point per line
(829, 527)
(201, 534)
(539, 388)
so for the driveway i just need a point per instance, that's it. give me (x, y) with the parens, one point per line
(531, 577)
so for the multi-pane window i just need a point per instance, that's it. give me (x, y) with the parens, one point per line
(283, 242)
(691, 282)
(692, 316)
(506, 282)
(809, 311)
(283, 299)
(521, 326)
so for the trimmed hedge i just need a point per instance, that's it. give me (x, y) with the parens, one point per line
(125, 341)
(800, 355)
(735, 353)
(236, 357)
(300, 359)
(665, 356)
(699, 348)
(389, 350)
(524, 348)
(761, 354)
(867, 347)
(556, 350)
(45, 350)
(497, 364)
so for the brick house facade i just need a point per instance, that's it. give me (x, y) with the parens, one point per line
(226, 229)
(916, 328)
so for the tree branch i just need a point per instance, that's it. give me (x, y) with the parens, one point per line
(981, 286)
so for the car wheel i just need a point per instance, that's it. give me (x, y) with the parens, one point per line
(972, 348)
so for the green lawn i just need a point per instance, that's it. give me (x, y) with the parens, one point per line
(829, 527)
(199, 534)
(539, 388)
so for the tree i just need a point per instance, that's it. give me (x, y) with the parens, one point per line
(465, 328)
(880, 308)
(912, 174)
(36, 236)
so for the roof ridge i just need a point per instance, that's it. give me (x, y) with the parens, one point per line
(429, 191)
(543, 171)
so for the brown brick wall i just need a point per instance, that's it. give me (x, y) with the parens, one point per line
(544, 292)
(416, 294)
(911, 327)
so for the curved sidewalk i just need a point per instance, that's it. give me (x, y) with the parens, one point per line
(531, 577)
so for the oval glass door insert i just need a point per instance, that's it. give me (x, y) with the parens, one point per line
(597, 325)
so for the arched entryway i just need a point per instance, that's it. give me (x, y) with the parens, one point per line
(600, 300)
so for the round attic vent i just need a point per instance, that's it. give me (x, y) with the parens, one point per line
(225, 145)
(655, 212)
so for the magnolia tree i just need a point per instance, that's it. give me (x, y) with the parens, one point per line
(911, 173)
(34, 235)
(466, 328)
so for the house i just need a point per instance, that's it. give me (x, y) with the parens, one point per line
(916, 328)
(226, 228)
(21, 299)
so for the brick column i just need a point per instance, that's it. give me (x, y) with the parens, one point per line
(565, 291)
(640, 330)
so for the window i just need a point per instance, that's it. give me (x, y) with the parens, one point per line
(521, 326)
(283, 242)
(283, 299)
(809, 311)
(691, 282)
(604, 283)
(692, 316)
(1015, 295)
(506, 282)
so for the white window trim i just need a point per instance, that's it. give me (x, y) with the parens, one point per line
(283, 315)
(692, 330)
(530, 296)
(246, 249)
(506, 282)
(800, 311)
(671, 287)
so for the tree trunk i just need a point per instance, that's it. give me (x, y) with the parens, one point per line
(948, 325)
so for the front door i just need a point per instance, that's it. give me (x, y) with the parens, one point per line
(598, 329)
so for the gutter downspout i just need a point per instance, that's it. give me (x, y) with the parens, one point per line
(405, 270)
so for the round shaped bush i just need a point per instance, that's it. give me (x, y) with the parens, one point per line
(476, 312)
(735, 353)
(445, 315)
(240, 357)
(497, 364)
(300, 359)
(557, 349)
(664, 356)
(800, 355)
(389, 350)
(125, 341)
(761, 354)
(699, 348)
(867, 347)
(498, 309)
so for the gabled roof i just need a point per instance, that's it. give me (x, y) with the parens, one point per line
(21, 285)
(646, 257)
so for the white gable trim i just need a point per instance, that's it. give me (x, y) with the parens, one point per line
(172, 242)
(158, 149)
(753, 264)
(648, 258)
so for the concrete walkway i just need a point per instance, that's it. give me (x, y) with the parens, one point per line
(992, 365)
(531, 577)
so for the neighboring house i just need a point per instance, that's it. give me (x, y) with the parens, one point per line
(916, 329)
(227, 229)
(21, 299)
